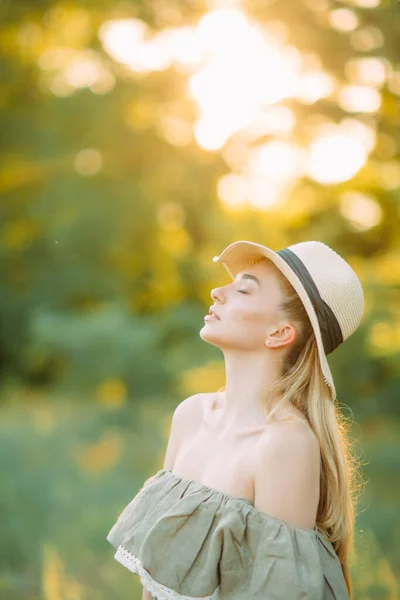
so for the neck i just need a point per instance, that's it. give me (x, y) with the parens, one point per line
(247, 377)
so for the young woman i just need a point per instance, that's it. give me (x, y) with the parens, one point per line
(256, 499)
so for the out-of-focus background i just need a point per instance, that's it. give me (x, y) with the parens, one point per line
(138, 139)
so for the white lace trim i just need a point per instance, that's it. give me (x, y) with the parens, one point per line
(158, 590)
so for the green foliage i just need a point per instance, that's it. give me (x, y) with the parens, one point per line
(111, 213)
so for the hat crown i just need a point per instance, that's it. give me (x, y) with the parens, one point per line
(336, 281)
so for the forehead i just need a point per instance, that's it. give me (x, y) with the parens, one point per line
(262, 273)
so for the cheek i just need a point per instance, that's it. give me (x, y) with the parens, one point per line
(246, 328)
(254, 317)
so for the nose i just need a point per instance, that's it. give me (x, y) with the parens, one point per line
(216, 294)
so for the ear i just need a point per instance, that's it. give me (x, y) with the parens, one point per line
(281, 337)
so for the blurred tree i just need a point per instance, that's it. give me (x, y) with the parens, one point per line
(138, 139)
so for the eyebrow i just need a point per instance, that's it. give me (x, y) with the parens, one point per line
(248, 276)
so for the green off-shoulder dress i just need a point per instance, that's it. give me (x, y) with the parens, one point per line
(187, 541)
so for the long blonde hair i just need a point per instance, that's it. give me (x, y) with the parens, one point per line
(302, 384)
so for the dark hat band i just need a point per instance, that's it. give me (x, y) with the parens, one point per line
(331, 333)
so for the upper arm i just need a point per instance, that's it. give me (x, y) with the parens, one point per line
(287, 475)
(181, 422)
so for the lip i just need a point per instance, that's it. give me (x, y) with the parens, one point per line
(212, 312)
(211, 318)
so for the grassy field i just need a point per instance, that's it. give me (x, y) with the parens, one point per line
(69, 466)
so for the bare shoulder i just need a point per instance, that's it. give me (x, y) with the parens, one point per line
(287, 473)
(189, 410)
(184, 418)
(288, 437)
(289, 448)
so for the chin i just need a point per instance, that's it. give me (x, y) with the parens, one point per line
(209, 336)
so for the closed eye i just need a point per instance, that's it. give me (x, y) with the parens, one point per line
(242, 291)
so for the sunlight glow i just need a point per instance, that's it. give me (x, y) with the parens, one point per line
(104, 83)
(273, 120)
(55, 57)
(361, 210)
(176, 131)
(59, 87)
(65, 70)
(314, 86)
(235, 153)
(84, 69)
(343, 19)
(365, 134)
(265, 195)
(271, 168)
(317, 5)
(368, 71)
(367, 38)
(239, 73)
(229, 90)
(366, 3)
(181, 44)
(233, 190)
(276, 161)
(124, 42)
(228, 52)
(336, 157)
(129, 42)
(359, 98)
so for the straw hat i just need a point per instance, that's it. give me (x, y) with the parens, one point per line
(326, 284)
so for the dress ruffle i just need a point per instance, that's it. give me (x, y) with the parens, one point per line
(187, 541)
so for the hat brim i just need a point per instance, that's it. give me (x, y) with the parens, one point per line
(237, 255)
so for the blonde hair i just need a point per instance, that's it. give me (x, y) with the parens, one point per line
(302, 384)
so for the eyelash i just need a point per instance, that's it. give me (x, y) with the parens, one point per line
(242, 292)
